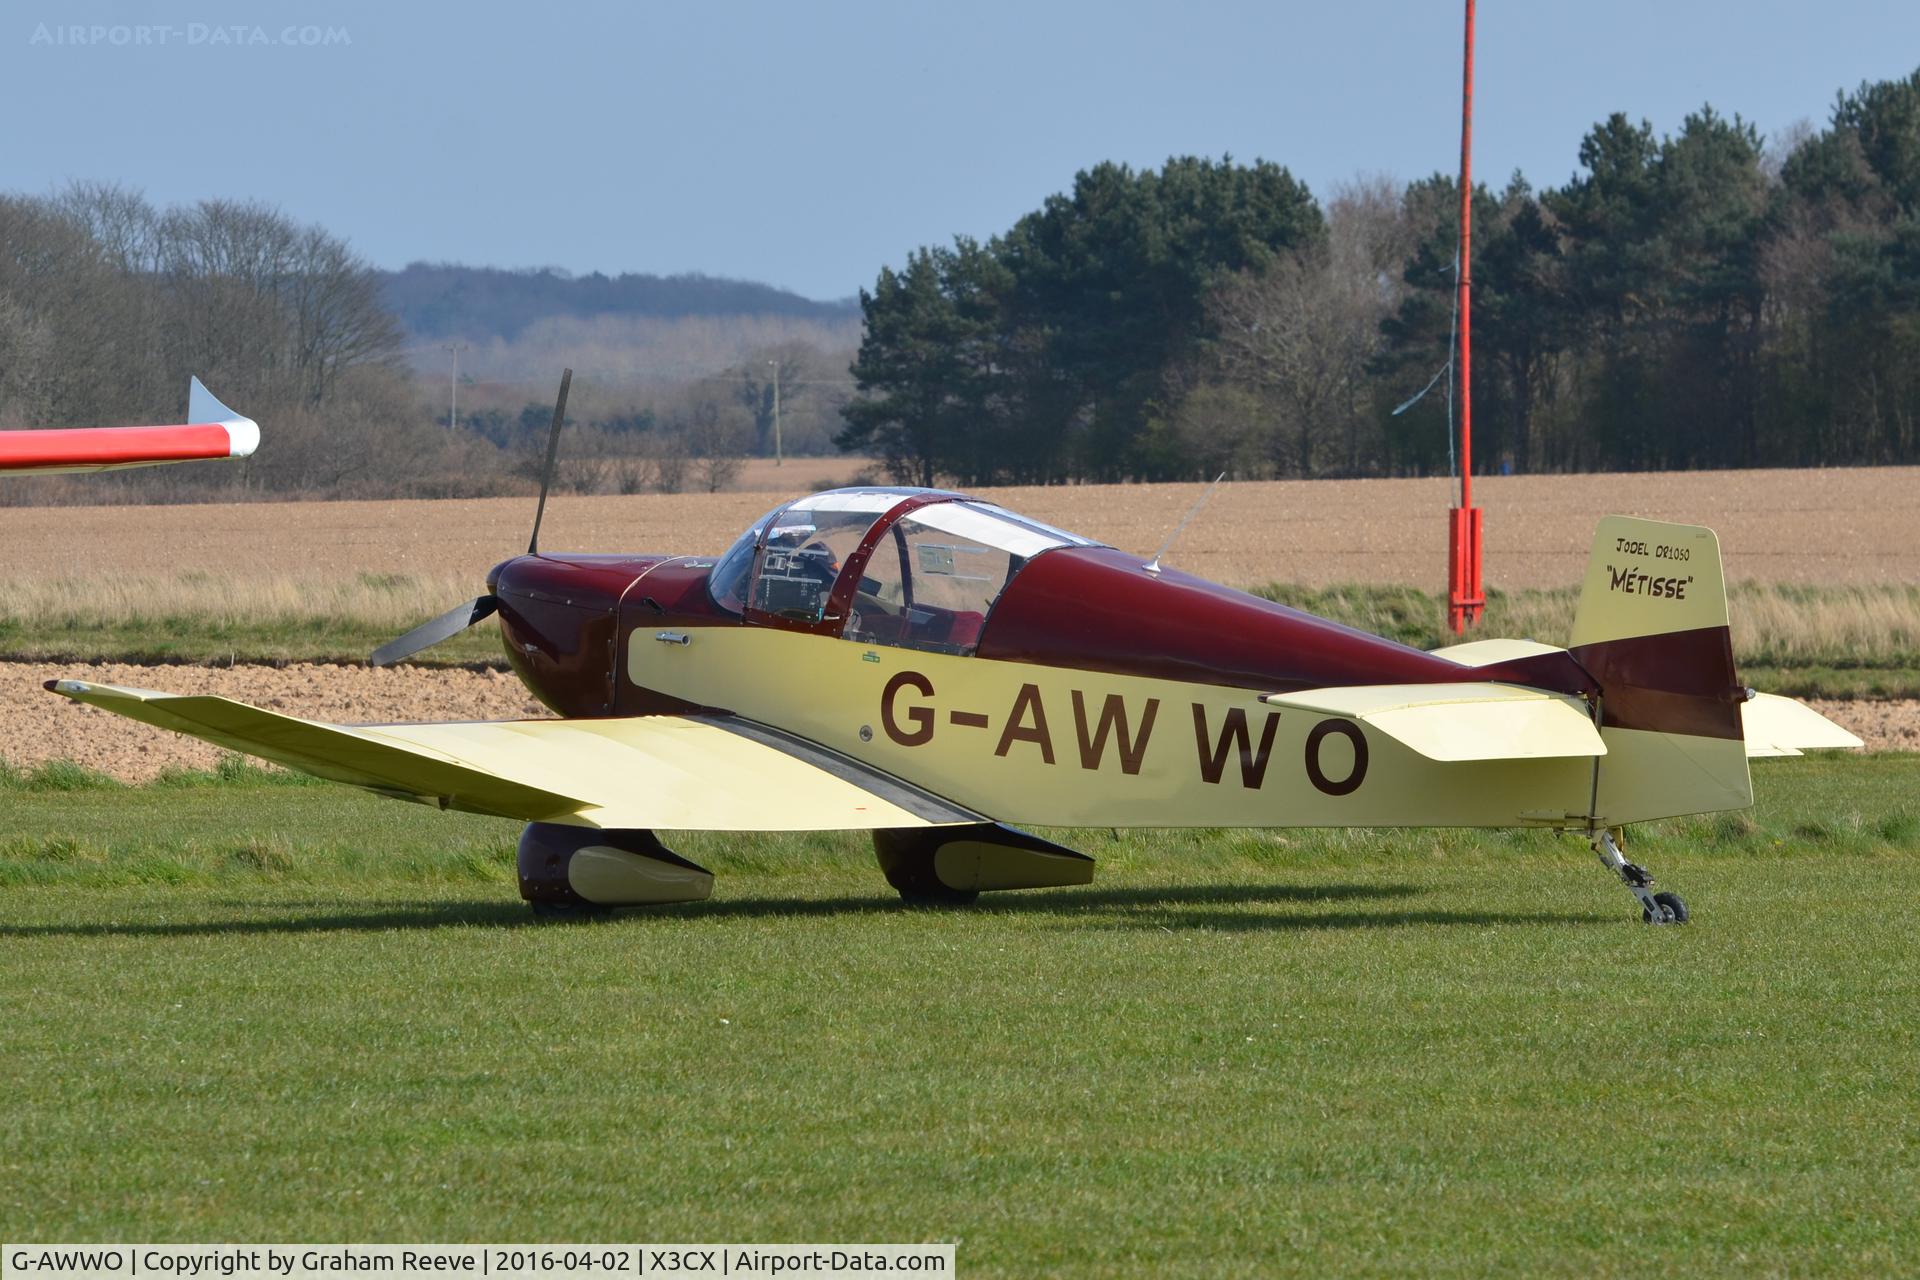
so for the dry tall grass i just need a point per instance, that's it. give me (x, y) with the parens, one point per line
(1773, 625)
(1793, 626)
(214, 601)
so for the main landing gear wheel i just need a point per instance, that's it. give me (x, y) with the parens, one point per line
(1655, 908)
(906, 859)
(569, 910)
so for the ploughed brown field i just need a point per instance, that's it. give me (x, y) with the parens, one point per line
(1814, 527)
(1800, 527)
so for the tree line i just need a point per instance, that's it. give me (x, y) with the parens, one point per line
(108, 305)
(448, 300)
(1702, 299)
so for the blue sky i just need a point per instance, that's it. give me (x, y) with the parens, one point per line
(806, 145)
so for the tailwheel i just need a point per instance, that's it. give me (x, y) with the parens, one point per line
(1655, 908)
(1673, 906)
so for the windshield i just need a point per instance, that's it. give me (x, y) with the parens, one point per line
(786, 562)
(805, 548)
(929, 584)
(727, 583)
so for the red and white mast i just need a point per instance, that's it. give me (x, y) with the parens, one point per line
(1465, 599)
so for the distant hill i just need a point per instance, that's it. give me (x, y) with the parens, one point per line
(442, 300)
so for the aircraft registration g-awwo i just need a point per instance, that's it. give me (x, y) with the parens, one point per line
(936, 669)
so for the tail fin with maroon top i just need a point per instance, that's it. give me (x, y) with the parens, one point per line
(1652, 632)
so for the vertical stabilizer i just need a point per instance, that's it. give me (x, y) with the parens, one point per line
(1651, 630)
(1648, 578)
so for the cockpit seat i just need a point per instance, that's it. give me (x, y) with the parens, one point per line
(963, 631)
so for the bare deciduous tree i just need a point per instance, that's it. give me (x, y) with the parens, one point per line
(670, 464)
(119, 220)
(1303, 333)
(106, 307)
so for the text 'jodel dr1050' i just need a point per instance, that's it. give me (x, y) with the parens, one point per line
(943, 672)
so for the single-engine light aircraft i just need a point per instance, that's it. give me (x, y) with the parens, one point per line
(943, 672)
(211, 431)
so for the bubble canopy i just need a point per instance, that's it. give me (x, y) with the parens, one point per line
(918, 568)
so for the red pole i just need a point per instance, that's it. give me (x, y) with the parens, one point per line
(1465, 599)
(1466, 268)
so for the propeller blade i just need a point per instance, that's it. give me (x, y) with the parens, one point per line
(427, 634)
(553, 449)
(454, 621)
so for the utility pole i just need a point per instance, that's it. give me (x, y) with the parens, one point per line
(779, 457)
(1465, 598)
(453, 385)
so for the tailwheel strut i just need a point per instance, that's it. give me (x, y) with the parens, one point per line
(1655, 908)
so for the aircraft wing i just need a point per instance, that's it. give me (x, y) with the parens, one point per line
(672, 773)
(211, 431)
(1462, 721)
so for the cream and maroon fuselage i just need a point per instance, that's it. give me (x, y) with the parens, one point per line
(1101, 692)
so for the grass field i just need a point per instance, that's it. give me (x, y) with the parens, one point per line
(255, 1008)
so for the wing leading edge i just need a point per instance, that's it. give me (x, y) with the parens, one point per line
(673, 773)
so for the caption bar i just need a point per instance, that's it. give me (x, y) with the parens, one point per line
(450, 1261)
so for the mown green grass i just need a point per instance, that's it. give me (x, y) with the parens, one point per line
(243, 1007)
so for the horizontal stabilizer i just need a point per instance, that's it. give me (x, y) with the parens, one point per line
(1462, 721)
(1778, 726)
(1484, 653)
(674, 773)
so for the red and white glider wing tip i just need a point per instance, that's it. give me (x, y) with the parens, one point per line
(243, 434)
(211, 431)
